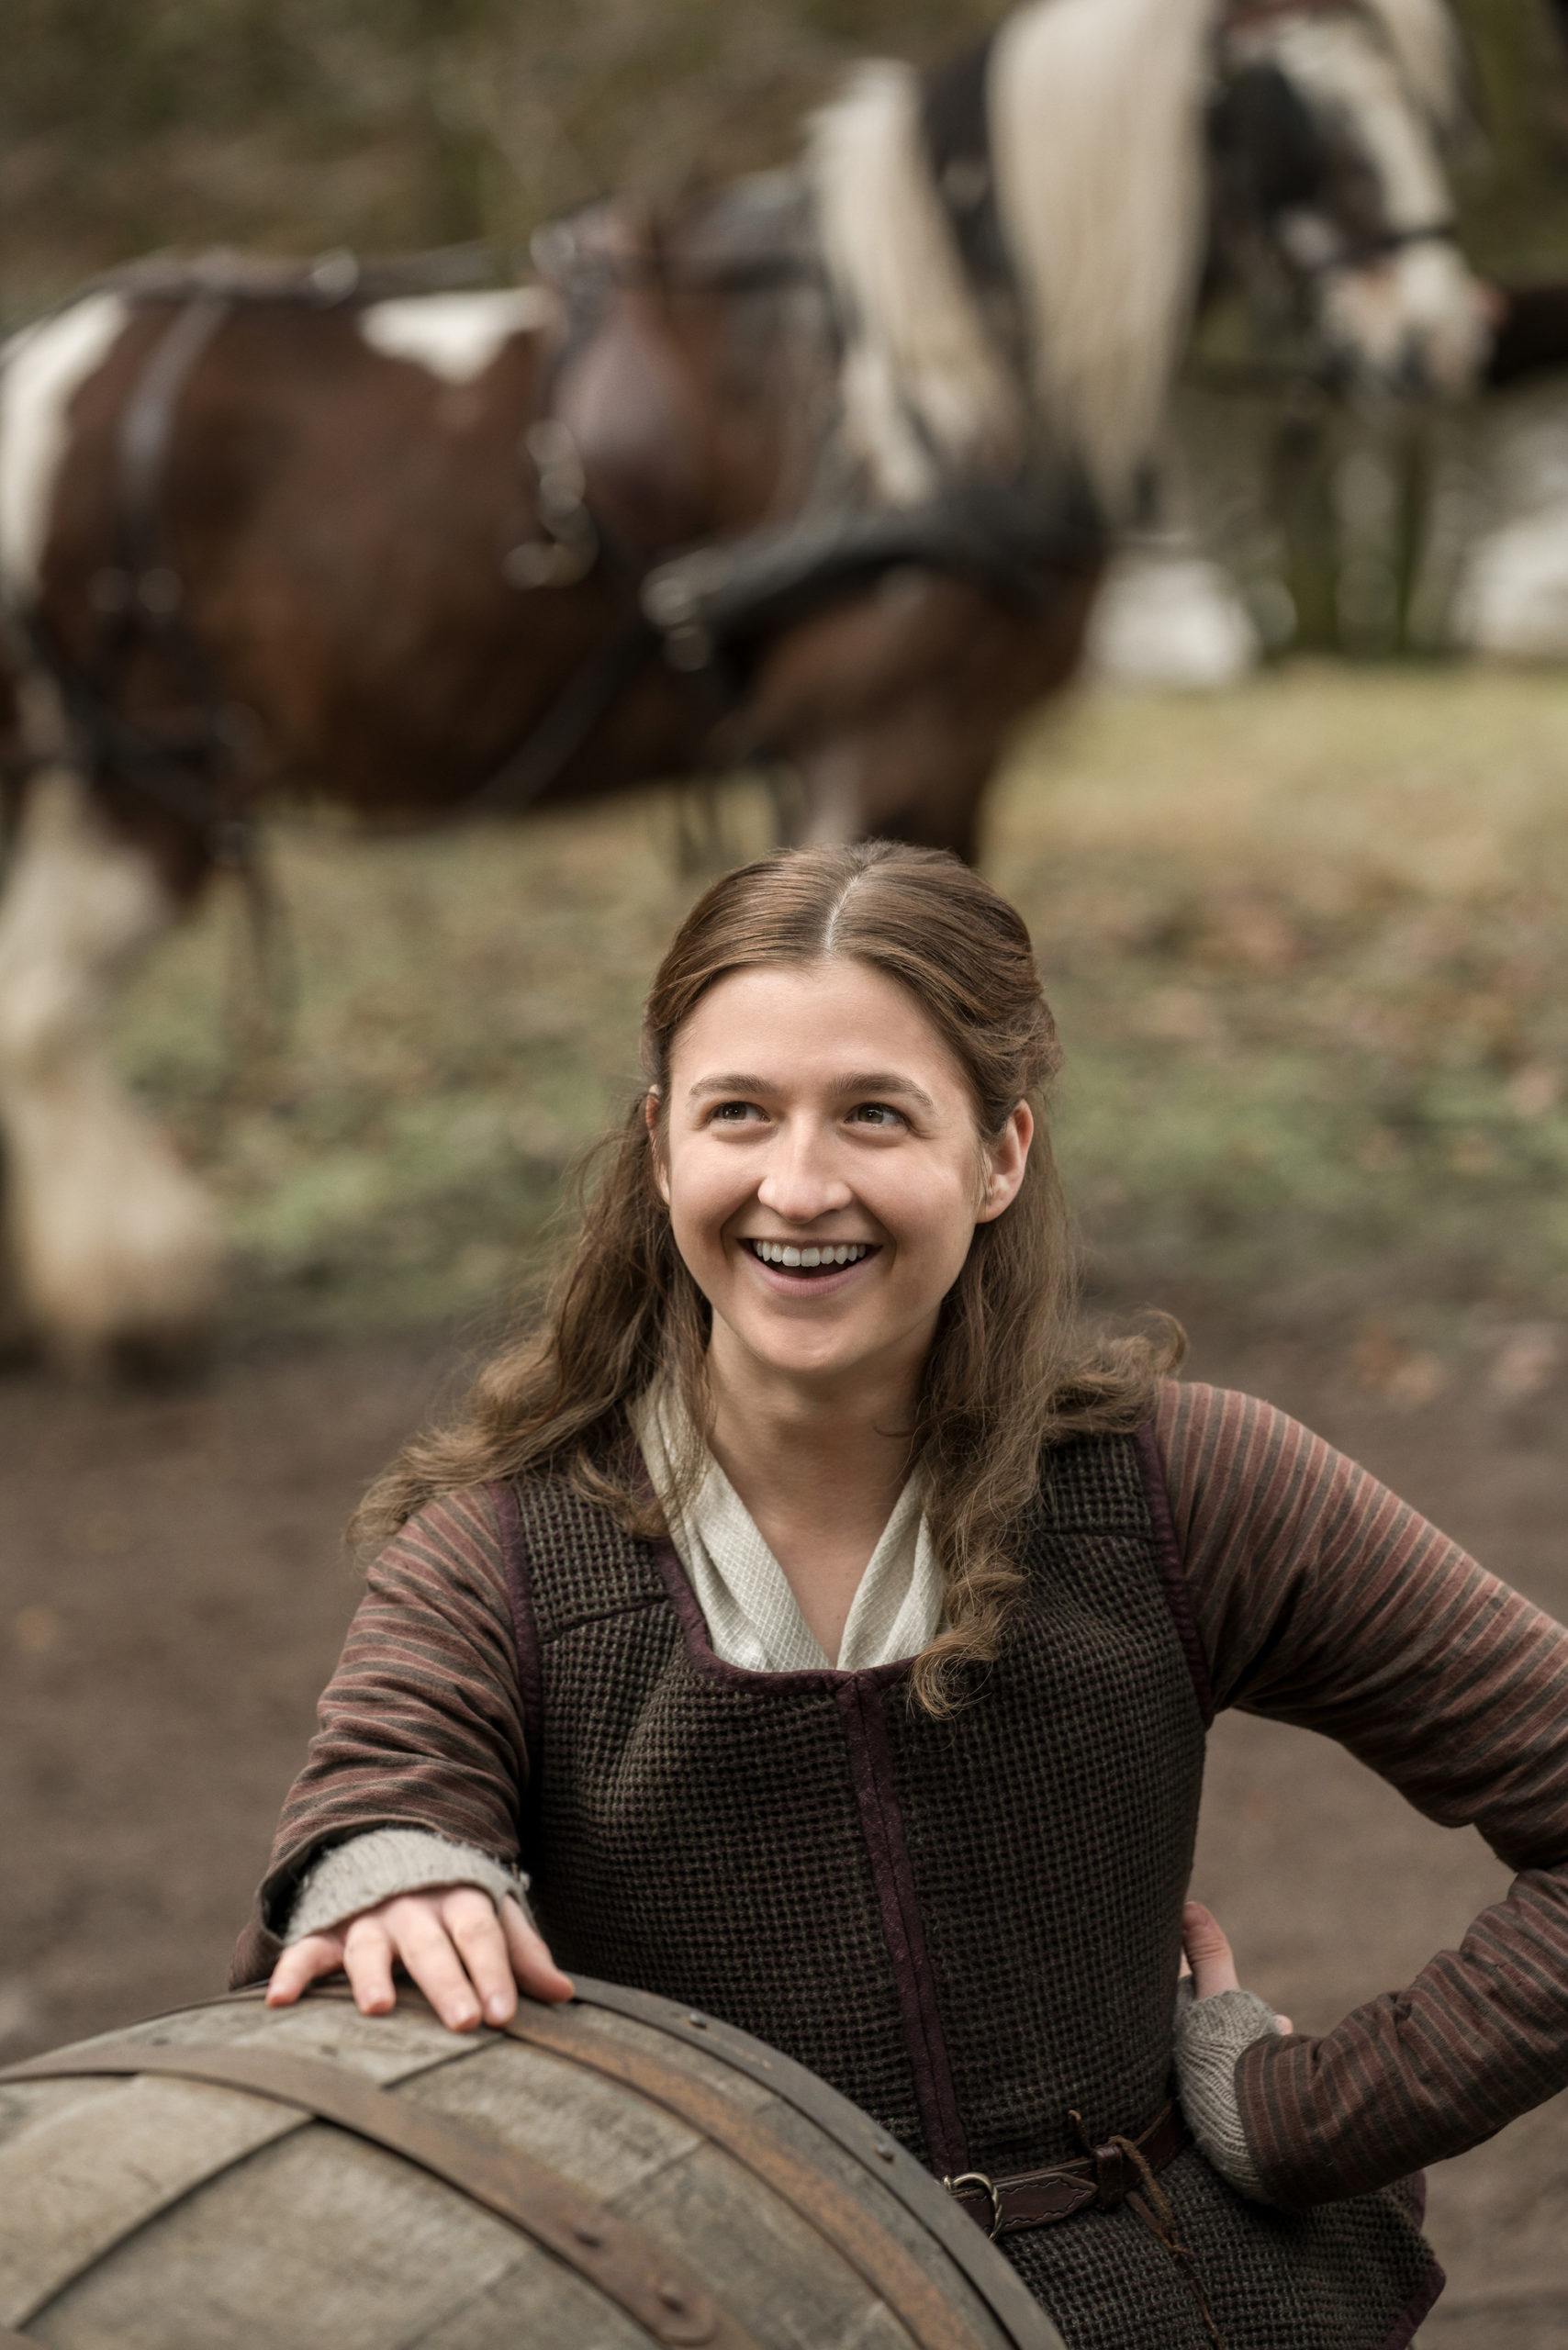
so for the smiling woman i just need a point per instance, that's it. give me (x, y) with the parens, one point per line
(882, 1170)
(831, 1630)
(848, 1044)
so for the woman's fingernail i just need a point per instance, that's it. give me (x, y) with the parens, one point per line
(497, 2007)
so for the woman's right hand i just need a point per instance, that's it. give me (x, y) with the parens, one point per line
(467, 1960)
(1206, 1956)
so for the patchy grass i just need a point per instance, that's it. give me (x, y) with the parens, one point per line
(1307, 943)
(1308, 949)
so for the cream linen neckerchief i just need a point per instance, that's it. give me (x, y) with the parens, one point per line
(752, 1615)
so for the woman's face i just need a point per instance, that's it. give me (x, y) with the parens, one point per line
(822, 1169)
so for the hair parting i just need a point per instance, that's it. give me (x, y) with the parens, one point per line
(1011, 1371)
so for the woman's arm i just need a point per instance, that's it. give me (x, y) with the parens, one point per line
(1323, 1601)
(382, 1863)
(420, 1728)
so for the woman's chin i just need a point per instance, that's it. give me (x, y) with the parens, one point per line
(791, 1352)
(795, 1362)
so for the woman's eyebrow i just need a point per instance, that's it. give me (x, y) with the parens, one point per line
(882, 1082)
(878, 1081)
(736, 1082)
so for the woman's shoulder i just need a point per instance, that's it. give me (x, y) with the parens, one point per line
(1176, 1415)
(1193, 1436)
(478, 1553)
(527, 1515)
(479, 1510)
(1194, 1422)
(1248, 1485)
(454, 1538)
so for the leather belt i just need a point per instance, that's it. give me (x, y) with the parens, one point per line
(1100, 2180)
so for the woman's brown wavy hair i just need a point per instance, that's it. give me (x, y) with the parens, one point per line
(1010, 1371)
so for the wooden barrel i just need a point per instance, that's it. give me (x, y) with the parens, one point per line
(616, 2175)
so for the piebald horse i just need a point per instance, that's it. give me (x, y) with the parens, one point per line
(819, 473)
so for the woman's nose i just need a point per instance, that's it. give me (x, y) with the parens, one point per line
(800, 1183)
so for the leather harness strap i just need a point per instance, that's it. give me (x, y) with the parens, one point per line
(1102, 2181)
(146, 432)
(139, 600)
(659, 2293)
(563, 727)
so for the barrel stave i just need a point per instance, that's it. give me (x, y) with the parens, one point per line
(701, 2058)
(79, 2180)
(24, 2104)
(773, 2272)
(534, 2307)
(67, 2190)
(587, 2129)
(320, 2243)
(840, 2168)
(386, 2048)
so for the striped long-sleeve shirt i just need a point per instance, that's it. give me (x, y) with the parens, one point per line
(1320, 1599)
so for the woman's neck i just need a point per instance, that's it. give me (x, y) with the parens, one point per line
(819, 1467)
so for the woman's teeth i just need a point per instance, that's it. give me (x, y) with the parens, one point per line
(806, 1260)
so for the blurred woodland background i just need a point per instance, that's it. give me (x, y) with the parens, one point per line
(298, 124)
(1306, 936)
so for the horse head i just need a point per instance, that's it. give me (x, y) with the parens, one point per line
(1018, 246)
(1329, 199)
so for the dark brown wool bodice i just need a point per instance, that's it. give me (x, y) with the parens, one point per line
(971, 1927)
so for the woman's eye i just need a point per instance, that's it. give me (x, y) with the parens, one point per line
(733, 1112)
(876, 1113)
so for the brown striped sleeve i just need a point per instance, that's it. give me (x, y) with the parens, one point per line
(1323, 1601)
(421, 1724)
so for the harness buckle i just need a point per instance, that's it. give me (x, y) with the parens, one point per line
(988, 2187)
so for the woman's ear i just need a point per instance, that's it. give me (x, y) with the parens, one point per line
(651, 1113)
(1007, 1158)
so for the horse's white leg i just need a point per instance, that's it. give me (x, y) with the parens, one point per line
(115, 1244)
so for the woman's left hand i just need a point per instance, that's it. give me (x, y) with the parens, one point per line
(1206, 1956)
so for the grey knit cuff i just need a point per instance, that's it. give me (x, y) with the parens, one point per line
(372, 1868)
(1210, 2035)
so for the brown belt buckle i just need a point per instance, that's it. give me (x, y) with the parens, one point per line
(988, 2188)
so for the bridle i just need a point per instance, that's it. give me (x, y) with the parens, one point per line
(1357, 253)
(1360, 251)
(1246, 13)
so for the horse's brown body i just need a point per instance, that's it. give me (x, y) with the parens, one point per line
(339, 521)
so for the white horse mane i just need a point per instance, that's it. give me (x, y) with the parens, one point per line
(922, 371)
(1426, 48)
(1097, 141)
(1097, 138)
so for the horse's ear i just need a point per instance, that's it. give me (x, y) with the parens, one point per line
(1266, 147)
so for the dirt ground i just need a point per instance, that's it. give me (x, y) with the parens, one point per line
(172, 1596)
